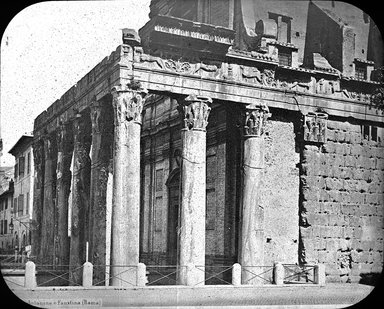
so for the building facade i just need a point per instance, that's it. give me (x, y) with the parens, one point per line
(23, 193)
(221, 133)
(6, 202)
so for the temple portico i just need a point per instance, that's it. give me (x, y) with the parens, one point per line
(190, 154)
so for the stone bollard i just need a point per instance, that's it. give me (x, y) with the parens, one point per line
(142, 279)
(87, 274)
(278, 277)
(236, 274)
(30, 275)
(320, 274)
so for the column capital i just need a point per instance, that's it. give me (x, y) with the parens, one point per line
(127, 101)
(255, 118)
(195, 110)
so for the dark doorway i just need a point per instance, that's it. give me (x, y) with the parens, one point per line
(173, 184)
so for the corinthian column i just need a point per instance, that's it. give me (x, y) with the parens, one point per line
(127, 105)
(80, 197)
(102, 140)
(195, 111)
(63, 188)
(252, 232)
(48, 218)
(38, 195)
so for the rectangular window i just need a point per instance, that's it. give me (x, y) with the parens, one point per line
(285, 57)
(159, 180)
(28, 163)
(159, 220)
(27, 203)
(5, 226)
(20, 209)
(6, 204)
(15, 206)
(16, 170)
(21, 166)
(360, 71)
(1, 227)
(374, 134)
(1, 206)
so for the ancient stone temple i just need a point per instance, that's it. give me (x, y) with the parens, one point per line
(222, 132)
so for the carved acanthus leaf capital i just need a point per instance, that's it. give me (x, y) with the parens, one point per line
(195, 112)
(128, 102)
(255, 120)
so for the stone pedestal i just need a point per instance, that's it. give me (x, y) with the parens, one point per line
(80, 197)
(252, 217)
(63, 187)
(48, 215)
(38, 195)
(128, 105)
(102, 140)
(195, 111)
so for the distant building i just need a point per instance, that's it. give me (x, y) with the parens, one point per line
(6, 200)
(23, 192)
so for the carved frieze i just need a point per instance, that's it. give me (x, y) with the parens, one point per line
(194, 111)
(128, 103)
(255, 120)
(315, 127)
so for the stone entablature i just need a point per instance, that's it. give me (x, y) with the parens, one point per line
(240, 78)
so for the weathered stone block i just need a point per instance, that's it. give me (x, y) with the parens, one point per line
(316, 230)
(379, 164)
(371, 198)
(345, 197)
(311, 194)
(306, 232)
(329, 147)
(356, 197)
(334, 196)
(311, 206)
(358, 232)
(374, 187)
(344, 244)
(356, 150)
(347, 138)
(357, 173)
(332, 244)
(350, 161)
(339, 148)
(356, 244)
(355, 221)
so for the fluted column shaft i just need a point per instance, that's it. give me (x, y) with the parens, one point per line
(194, 111)
(252, 232)
(128, 105)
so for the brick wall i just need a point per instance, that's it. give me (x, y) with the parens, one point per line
(341, 205)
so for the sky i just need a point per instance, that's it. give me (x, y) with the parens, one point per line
(49, 46)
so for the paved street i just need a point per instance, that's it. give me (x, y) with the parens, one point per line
(330, 296)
